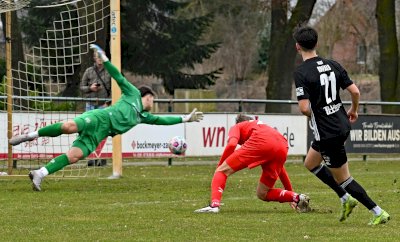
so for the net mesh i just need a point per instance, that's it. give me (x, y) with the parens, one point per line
(38, 82)
(11, 5)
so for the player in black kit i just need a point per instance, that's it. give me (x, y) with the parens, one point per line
(318, 82)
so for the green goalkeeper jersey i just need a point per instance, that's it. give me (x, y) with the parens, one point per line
(128, 111)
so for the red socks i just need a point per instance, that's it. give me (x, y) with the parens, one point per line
(274, 194)
(282, 196)
(217, 188)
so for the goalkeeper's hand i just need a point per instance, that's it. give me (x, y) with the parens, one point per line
(193, 116)
(100, 53)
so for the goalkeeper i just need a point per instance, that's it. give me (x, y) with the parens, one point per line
(93, 126)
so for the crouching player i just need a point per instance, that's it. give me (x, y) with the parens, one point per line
(261, 145)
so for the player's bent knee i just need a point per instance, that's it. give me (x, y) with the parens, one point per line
(69, 127)
(225, 168)
(73, 159)
(310, 165)
(74, 155)
(262, 191)
(262, 194)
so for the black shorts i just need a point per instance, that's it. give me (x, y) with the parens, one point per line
(332, 150)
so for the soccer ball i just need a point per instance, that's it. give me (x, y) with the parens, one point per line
(177, 145)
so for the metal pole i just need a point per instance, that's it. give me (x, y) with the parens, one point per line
(9, 90)
(170, 105)
(170, 109)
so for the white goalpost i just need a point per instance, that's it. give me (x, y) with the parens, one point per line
(115, 31)
(32, 90)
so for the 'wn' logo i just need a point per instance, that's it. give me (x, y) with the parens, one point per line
(212, 136)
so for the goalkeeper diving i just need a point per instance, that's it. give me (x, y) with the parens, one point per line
(93, 126)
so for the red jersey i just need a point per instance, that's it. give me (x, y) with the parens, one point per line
(243, 130)
(261, 138)
(261, 145)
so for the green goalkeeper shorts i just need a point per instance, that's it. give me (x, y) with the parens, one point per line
(93, 126)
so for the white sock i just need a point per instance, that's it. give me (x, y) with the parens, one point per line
(344, 198)
(43, 171)
(34, 134)
(376, 210)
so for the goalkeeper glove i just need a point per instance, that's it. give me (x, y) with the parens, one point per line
(193, 116)
(100, 53)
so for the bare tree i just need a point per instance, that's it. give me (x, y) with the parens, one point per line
(283, 52)
(357, 22)
(365, 31)
(350, 22)
(389, 54)
(237, 26)
(330, 30)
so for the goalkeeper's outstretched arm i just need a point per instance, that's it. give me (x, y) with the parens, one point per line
(126, 87)
(194, 116)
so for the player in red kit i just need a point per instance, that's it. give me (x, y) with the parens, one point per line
(261, 145)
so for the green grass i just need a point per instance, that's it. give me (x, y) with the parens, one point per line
(156, 203)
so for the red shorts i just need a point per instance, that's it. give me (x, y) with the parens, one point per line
(269, 152)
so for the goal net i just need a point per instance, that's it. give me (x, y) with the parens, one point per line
(39, 83)
(12, 5)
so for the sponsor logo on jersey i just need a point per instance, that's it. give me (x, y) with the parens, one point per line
(299, 91)
(324, 68)
(331, 109)
(327, 160)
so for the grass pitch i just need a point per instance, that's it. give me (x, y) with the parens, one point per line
(156, 203)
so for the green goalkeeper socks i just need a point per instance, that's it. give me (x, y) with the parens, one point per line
(52, 130)
(57, 163)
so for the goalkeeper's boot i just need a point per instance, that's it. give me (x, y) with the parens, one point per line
(207, 209)
(303, 205)
(36, 179)
(347, 208)
(382, 218)
(18, 139)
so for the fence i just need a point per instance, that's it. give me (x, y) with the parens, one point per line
(364, 105)
(377, 134)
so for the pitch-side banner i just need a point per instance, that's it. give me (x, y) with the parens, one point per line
(375, 134)
(372, 134)
(205, 138)
(209, 137)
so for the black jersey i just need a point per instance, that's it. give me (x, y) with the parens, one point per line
(320, 80)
